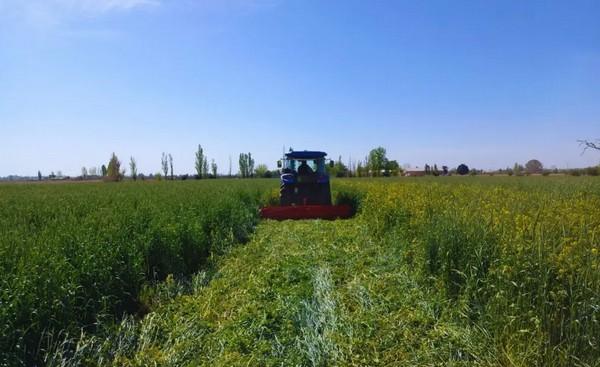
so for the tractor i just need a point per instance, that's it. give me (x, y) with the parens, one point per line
(305, 191)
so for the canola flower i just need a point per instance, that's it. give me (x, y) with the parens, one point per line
(520, 260)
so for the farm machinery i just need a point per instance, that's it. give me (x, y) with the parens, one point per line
(305, 191)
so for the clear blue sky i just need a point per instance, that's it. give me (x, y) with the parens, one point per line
(487, 83)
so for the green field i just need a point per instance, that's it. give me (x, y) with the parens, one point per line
(493, 271)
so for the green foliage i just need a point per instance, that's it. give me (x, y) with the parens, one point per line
(393, 168)
(133, 168)
(301, 293)
(213, 168)
(261, 170)
(339, 169)
(246, 165)
(164, 163)
(71, 253)
(200, 163)
(377, 161)
(592, 171)
(465, 271)
(205, 168)
(517, 258)
(518, 169)
(113, 172)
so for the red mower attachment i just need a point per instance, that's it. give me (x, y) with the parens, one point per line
(306, 212)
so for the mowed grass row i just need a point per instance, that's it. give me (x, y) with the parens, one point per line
(300, 293)
(72, 254)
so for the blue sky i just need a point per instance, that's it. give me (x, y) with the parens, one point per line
(481, 82)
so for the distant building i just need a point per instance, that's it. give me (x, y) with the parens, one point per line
(414, 172)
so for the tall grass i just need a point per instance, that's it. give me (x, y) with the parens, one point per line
(519, 259)
(74, 254)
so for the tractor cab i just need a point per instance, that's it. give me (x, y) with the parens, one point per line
(304, 179)
(303, 166)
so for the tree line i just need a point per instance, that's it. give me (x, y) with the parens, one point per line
(375, 164)
(204, 168)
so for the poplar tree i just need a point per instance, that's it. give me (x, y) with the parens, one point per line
(213, 167)
(133, 168)
(164, 161)
(200, 162)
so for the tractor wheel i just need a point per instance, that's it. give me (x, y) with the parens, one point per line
(286, 195)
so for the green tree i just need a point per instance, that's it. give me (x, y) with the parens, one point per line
(340, 169)
(164, 162)
(113, 171)
(205, 167)
(103, 170)
(359, 169)
(250, 165)
(213, 168)
(171, 166)
(534, 166)
(242, 165)
(518, 169)
(246, 165)
(592, 171)
(133, 168)
(377, 161)
(393, 168)
(39, 175)
(261, 170)
(200, 158)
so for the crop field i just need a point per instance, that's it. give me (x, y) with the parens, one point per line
(74, 254)
(464, 271)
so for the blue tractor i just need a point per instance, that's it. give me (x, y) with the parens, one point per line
(305, 191)
(304, 179)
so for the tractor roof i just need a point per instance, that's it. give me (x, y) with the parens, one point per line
(305, 154)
